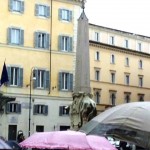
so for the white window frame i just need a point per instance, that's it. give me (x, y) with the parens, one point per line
(97, 37)
(112, 40)
(113, 76)
(140, 81)
(126, 43)
(127, 61)
(140, 64)
(112, 59)
(97, 75)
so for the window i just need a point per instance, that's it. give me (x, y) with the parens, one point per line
(39, 128)
(40, 109)
(112, 77)
(65, 81)
(63, 110)
(15, 36)
(16, 6)
(127, 79)
(42, 79)
(97, 37)
(42, 10)
(15, 75)
(127, 97)
(139, 46)
(65, 15)
(140, 64)
(140, 81)
(97, 97)
(141, 97)
(127, 62)
(13, 108)
(126, 43)
(65, 43)
(111, 40)
(97, 56)
(42, 40)
(97, 75)
(112, 59)
(113, 98)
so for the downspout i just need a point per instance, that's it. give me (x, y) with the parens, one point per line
(50, 49)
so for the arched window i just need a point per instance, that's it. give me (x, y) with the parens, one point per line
(140, 64)
(112, 59)
(127, 61)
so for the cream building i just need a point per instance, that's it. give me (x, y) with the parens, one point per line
(119, 66)
(38, 41)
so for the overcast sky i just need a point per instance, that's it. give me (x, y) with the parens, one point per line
(126, 15)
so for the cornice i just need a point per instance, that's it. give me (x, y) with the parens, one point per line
(120, 32)
(119, 49)
(77, 2)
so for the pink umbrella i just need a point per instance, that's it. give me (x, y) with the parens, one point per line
(71, 140)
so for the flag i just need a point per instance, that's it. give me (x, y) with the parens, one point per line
(4, 75)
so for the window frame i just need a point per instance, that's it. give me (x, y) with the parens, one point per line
(40, 109)
(46, 10)
(65, 81)
(63, 110)
(13, 108)
(68, 15)
(11, 6)
(19, 37)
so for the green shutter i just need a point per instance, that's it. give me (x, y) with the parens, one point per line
(20, 82)
(60, 14)
(46, 80)
(10, 5)
(36, 10)
(7, 108)
(60, 110)
(35, 107)
(36, 39)
(47, 11)
(70, 16)
(71, 82)
(18, 108)
(22, 7)
(60, 81)
(60, 43)
(35, 82)
(70, 44)
(47, 41)
(9, 75)
(46, 110)
(21, 37)
(9, 35)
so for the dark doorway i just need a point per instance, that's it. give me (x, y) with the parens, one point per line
(64, 128)
(12, 132)
(39, 128)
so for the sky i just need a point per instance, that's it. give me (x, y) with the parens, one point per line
(126, 15)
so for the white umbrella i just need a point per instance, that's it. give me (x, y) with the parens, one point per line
(129, 122)
(4, 146)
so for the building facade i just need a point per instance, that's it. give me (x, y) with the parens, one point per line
(119, 66)
(38, 41)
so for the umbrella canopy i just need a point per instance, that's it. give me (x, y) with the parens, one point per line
(70, 140)
(3, 145)
(128, 122)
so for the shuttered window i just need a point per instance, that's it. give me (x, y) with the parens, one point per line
(63, 110)
(40, 109)
(15, 75)
(65, 81)
(42, 79)
(65, 15)
(16, 6)
(15, 36)
(13, 108)
(42, 40)
(42, 10)
(65, 43)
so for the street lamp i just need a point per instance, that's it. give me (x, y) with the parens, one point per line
(31, 78)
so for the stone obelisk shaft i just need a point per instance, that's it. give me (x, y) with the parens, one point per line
(82, 72)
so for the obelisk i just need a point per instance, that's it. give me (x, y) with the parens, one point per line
(83, 108)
